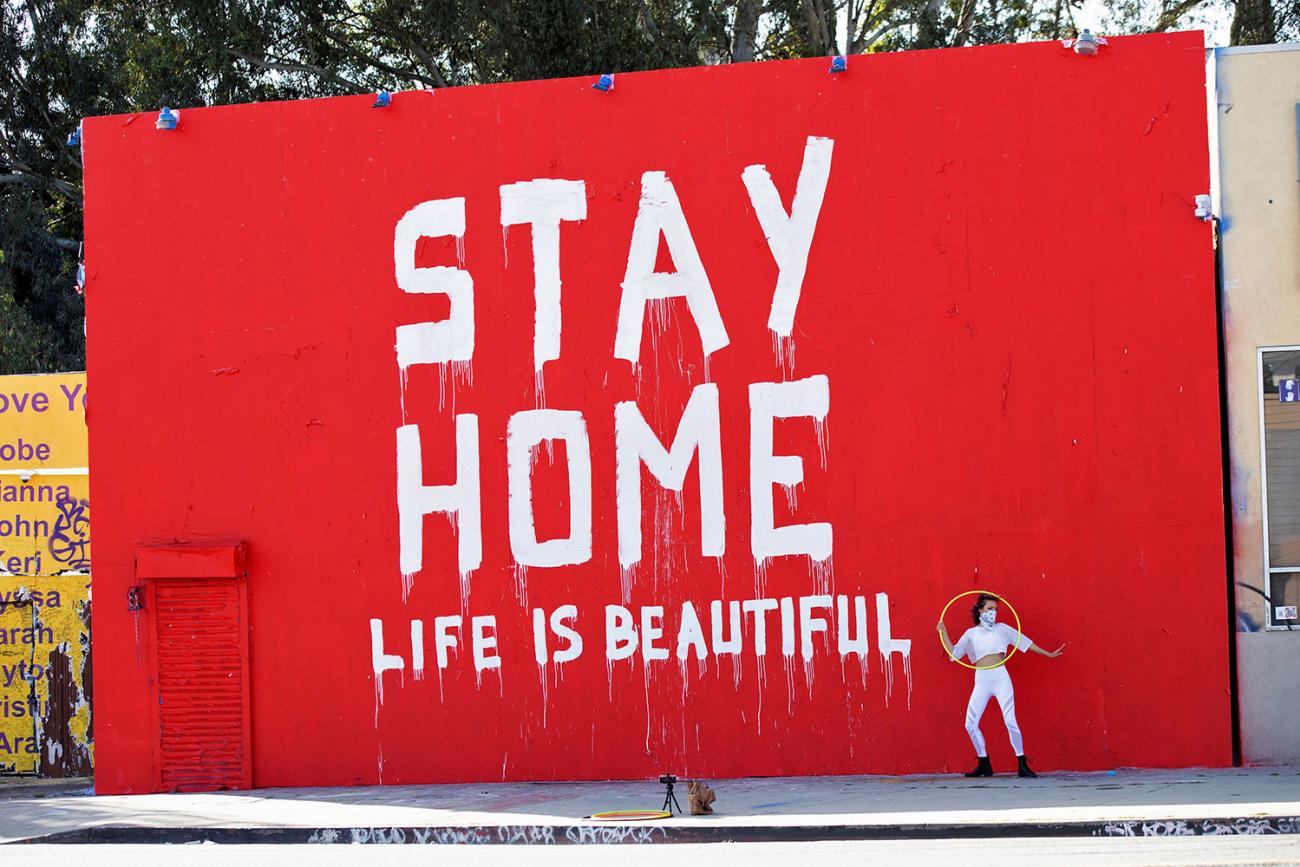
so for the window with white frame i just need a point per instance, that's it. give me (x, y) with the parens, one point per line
(1280, 441)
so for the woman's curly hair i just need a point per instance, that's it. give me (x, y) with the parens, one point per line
(979, 603)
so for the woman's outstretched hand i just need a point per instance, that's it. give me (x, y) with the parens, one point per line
(943, 630)
(1057, 651)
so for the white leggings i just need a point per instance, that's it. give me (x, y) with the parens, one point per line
(993, 683)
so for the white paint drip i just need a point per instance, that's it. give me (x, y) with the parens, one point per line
(888, 646)
(546, 703)
(645, 669)
(520, 574)
(381, 662)
(783, 351)
(791, 492)
(626, 574)
(402, 378)
(539, 398)
(823, 439)
(822, 575)
(886, 666)
(787, 663)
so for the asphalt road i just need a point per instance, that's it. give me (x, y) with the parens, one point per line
(950, 853)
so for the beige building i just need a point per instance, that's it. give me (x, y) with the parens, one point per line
(1254, 92)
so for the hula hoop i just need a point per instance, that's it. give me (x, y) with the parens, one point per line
(1001, 600)
(630, 815)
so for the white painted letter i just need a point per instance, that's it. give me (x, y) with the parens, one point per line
(759, 608)
(452, 339)
(888, 644)
(848, 644)
(544, 203)
(620, 633)
(442, 640)
(651, 618)
(636, 443)
(715, 613)
(539, 636)
(790, 237)
(768, 401)
(660, 212)
(379, 660)
(787, 626)
(809, 622)
(460, 499)
(484, 642)
(690, 633)
(524, 432)
(417, 649)
(558, 616)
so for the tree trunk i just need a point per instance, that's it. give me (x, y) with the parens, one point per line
(1252, 23)
(744, 35)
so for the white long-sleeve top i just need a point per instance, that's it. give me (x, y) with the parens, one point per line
(980, 641)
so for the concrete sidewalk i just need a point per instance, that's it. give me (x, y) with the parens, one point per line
(1124, 803)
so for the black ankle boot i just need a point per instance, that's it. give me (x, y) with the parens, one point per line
(1024, 768)
(983, 769)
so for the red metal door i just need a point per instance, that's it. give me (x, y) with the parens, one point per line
(201, 657)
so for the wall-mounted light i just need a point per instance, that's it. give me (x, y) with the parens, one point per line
(839, 63)
(383, 99)
(1204, 208)
(167, 119)
(604, 84)
(1086, 45)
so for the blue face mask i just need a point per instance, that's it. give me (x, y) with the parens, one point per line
(989, 617)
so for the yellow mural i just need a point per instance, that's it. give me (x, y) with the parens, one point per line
(45, 682)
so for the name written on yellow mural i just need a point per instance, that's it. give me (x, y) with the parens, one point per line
(44, 576)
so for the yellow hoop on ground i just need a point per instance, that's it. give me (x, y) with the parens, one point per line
(1002, 600)
(630, 815)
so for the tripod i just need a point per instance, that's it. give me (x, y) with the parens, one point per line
(670, 800)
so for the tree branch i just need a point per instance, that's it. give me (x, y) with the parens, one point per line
(349, 49)
(964, 18)
(884, 30)
(281, 66)
(429, 63)
(1169, 17)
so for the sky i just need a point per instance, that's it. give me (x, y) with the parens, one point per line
(1215, 20)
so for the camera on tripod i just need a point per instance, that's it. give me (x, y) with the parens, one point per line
(670, 800)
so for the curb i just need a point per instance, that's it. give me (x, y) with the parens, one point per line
(641, 834)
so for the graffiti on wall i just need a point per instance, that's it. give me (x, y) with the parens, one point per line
(45, 682)
(826, 623)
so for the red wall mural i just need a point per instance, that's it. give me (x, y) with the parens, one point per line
(577, 435)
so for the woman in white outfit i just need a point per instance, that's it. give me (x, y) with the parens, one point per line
(985, 644)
